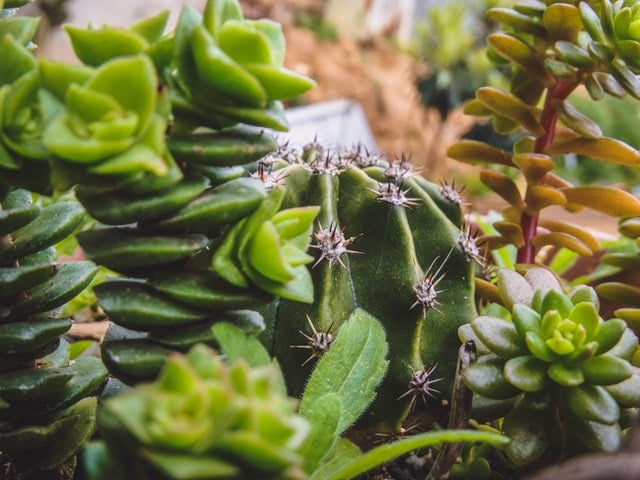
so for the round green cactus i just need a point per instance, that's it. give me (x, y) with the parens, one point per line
(389, 242)
(204, 418)
(553, 358)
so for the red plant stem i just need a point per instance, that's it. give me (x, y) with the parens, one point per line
(548, 120)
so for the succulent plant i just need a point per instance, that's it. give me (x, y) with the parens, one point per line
(204, 418)
(46, 412)
(169, 190)
(554, 47)
(389, 242)
(554, 357)
(621, 288)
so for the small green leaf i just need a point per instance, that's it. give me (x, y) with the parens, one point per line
(498, 335)
(324, 416)
(537, 345)
(237, 344)
(520, 53)
(508, 105)
(591, 22)
(575, 120)
(627, 392)
(95, 46)
(562, 20)
(342, 453)
(352, 368)
(486, 378)
(565, 376)
(528, 431)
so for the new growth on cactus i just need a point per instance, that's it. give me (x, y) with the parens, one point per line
(554, 357)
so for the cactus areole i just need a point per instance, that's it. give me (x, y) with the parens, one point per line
(389, 242)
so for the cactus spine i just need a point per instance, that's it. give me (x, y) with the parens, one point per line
(386, 241)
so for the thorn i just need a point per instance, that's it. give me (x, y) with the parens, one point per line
(332, 244)
(425, 289)
(468, 241)
(421, 385)
(318, 342)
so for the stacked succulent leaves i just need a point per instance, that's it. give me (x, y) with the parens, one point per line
(386, 241)
(139, 136)
(46, 411)
(555, 47)
(553, 358)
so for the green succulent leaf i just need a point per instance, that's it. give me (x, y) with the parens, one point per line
(95, 46)
(498, 335)
(627, 392)
(486, 377)
(529, 433)
(527, 373)
(606, 370)
(525, 320)
(565, 375)
(538, 346)
(236, 344)
(593, 403)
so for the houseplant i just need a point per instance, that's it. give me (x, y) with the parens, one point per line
(189, 201)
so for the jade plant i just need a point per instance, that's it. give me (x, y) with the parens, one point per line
(553, 357)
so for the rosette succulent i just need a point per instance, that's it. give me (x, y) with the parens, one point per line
(203, 418)
(554, 358)
(230, 69)
(107, 130)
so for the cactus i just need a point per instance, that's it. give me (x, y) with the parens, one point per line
(204, 418)
(386, 241)
(555, 358)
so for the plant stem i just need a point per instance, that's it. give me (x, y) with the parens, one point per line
(548, 120)
(460, 413)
